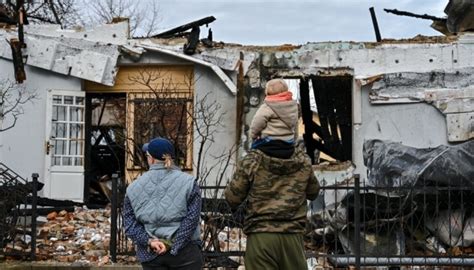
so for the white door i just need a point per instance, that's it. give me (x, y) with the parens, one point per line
(64, 177)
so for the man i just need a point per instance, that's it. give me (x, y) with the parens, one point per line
(161, 212)
(276, 190)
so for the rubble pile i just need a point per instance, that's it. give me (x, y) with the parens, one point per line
(230, 239)
(82, 237)
(79, 236)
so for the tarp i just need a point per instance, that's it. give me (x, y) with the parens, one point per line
(391, 164)
(405, 185)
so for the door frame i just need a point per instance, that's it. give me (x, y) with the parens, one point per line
(89, 96)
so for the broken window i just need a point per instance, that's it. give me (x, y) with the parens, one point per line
(154, 101)
(160, 115)
(326, 108)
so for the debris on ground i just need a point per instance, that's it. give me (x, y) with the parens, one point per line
(79, 236)
(82, 238)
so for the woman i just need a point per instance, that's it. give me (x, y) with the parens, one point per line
(161, 212)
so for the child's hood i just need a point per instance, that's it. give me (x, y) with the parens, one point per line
(287, 111)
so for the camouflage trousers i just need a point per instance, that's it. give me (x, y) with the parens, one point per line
(282, 251)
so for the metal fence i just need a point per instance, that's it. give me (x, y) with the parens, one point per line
(222, 234)
(119, 242)
(18, 199)
(350, 224)
(221, 229)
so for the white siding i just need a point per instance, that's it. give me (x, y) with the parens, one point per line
(225, 138)
(415, 124)
(22, 147)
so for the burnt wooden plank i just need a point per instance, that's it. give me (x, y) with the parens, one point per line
(185, 27)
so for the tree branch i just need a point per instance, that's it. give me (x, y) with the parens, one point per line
(53, 9)
(12, 99)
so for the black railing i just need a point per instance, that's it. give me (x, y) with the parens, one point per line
(119, 243)
(354, 224)
(223, 238)
(17, 225)
(34, 215)
(427, 224)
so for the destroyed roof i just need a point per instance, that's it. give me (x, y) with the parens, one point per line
(176, 43)
(227, 55)
(94, 54)
(87, 54)
(460, 17)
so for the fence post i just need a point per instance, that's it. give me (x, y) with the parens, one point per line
(357, 220)
(113, 228)
(34, 215)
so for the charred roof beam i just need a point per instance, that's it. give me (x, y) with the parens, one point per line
(414, 15)
(183, 28)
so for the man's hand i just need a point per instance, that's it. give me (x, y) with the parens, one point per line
(158, 246)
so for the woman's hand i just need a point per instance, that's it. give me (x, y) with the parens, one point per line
(158, 246)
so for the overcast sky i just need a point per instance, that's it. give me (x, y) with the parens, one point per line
(273, 22)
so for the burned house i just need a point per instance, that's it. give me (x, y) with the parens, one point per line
(99, 97)
(102, 94)
(395, 113)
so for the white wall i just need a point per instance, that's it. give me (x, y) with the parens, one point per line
(415, 124)
(208, 83)
(22, 148)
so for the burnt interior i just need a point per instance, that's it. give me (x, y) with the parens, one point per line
(105, 144)
(333, 134)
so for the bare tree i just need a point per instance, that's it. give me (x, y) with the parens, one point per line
(62, 12)
(168, 107)
(164, 104)
(208, 117)
(143, 16)
(162, 109)
(12, 98)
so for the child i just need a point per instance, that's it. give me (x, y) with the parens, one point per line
(273, 126)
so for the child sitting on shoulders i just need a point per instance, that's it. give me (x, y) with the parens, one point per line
(273, 126)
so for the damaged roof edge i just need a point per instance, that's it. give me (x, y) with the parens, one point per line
(83, 59)
(225, 79)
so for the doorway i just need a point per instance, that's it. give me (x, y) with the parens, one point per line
(105, 144)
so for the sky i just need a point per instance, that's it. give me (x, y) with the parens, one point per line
(275, 22)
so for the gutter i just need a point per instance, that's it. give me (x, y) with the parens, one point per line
(225, 79)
